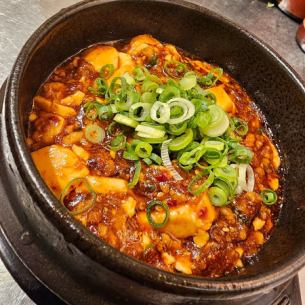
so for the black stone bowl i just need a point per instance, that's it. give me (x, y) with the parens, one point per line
(75, 264)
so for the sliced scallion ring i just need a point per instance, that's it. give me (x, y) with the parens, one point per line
(219, 122)
(189, 81)
(143, 150)
(182, 141)
(124, 120)
(118, 143)
(139, 111)
(205, 185)
(269, 196)
(167, 162)
(160, 112)
(218, 196)
(164, 206)
(94, 133)
(75, 196)
(149, 132)
(187, 107)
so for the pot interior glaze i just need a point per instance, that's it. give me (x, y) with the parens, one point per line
(278, 93)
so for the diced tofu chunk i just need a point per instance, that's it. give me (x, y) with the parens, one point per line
(146, 241)
(183, 264)
(223, 100)
(80, 152)
(129, 206)
(101, 56)
(49, 106)
(73, 137)
(47, 126)
(106, 185)
(58, 166)
(168, 259)
(201, 239)
(73, 100)
(258, 223)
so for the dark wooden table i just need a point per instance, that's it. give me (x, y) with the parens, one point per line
(19, 18)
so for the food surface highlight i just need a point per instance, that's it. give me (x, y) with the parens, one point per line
(161, 155)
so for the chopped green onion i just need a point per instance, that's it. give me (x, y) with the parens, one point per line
(206, 184)
(175, 68)
(107, 71)
(118, 143)
(94, 133)
(139, 74)
(152, 140)
(117, 89)
(157, 159)
(91, 110)
(105, 112)
(136, 175)
(148, 97)
(124, 120)
(210, 79)
(129, 79)
(182, 141)
(219, 122)
(189, 81)
(139, 111)
(149, 132)
(150, 219)
(149, 86)
(143, 150)
(102, 87)
(160, 112)
(147, 161)
(187, 107)
(218, 196)
(168, 93)
(73, 188)
(239, 126)
(111, 128)
(124, 104)
(241, 154)
(269, 197)
(177, 129)
(130, 155)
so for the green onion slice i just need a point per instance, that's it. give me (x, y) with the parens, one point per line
(155, 158)
(269, 197)
(182, 141)
(118, 143)
(167, 161)
(94, 133)
(150, 219)
(177, 129)
(239, 126)
(136, 176)
(218, 196)
(187, 107)
(143, 150)
(168, 93)
(160, 112)
(107, 71)
(124, 120)
(219, 122)
(189, 81)
(206, 184)
(139, 111)
(78, 196)
(149, 132)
